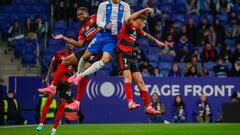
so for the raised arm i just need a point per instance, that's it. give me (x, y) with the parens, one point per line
(69, 40)
(136, 14)
(148, 36)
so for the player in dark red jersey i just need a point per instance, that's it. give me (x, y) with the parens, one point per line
(63, 88)
(133, 27)
(86, 33)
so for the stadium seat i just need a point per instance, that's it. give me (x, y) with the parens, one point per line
(167, 2)
(230, 42)
(165, 65)
(58, 31)
(152, 57)
(164, 72)
(71, 34)
(209, 66)
(178, 17)
(181, 65)
(60, 25)
(223, 18)
(54, 42)
(166, 58)
(28, 59)
(180, 2)
(166, 8)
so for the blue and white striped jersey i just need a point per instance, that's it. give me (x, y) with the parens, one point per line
(109, 12)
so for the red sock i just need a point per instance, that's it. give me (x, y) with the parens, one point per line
(59, 114)
(45, 109)
(81, 89)
(61, 70)
(145, 98)
(128, 92)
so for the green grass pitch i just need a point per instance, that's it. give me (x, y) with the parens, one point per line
(129, 129)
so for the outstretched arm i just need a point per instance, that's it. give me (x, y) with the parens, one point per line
(70, 41)
(136, 14)
(50, 69)
(159, 43)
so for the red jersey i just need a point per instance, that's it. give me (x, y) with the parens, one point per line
(57, 60)
(127, 37)
(88, 29)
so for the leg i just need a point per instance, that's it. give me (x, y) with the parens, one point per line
(128, 88)
(44, 112)
(199, 119)
(94, 67)
(81, 90)
(144, 93)
(61, 70)
(59, 116)
(83, 60)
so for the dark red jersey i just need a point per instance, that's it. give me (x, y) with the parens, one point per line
(57, 60)
(127, 37)
(88, 29)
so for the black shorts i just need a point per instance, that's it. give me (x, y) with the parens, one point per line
(91, 60)
(64, 91)
(79, 53)
(125, 61)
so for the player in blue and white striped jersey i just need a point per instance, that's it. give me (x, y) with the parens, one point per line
(110, 16)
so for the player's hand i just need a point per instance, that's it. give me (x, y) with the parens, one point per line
(109, 26)
(159, 43)
(148, 10)
(58, 36)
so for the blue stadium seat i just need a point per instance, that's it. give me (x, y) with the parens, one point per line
(166, 8)
(232, 49)
(164, 72)
(51, 49)
(60, 25)
(154, 64)
(71, 34)
(165, 65)
(166, 58)
(54, 42)
(47, 58)
(153, 50)
(229, 65)
(223, 18)
(181, 65)
(152, 57)
(28, 59)
(209, 66)
(195, 17)
(167, 2)
(230, 42)
(180, 2)
(58, 31)
(211, 73)
(74, 25)
(178, 17)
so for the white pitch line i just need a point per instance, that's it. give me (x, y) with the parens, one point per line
(18, 126)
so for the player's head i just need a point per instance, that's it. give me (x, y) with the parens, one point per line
(69, 48)
(115, 1)
(82, 13)
(140, 21)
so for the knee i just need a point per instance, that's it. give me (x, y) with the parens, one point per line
(105, 60)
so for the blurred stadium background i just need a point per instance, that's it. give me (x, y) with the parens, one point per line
(203, 58)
